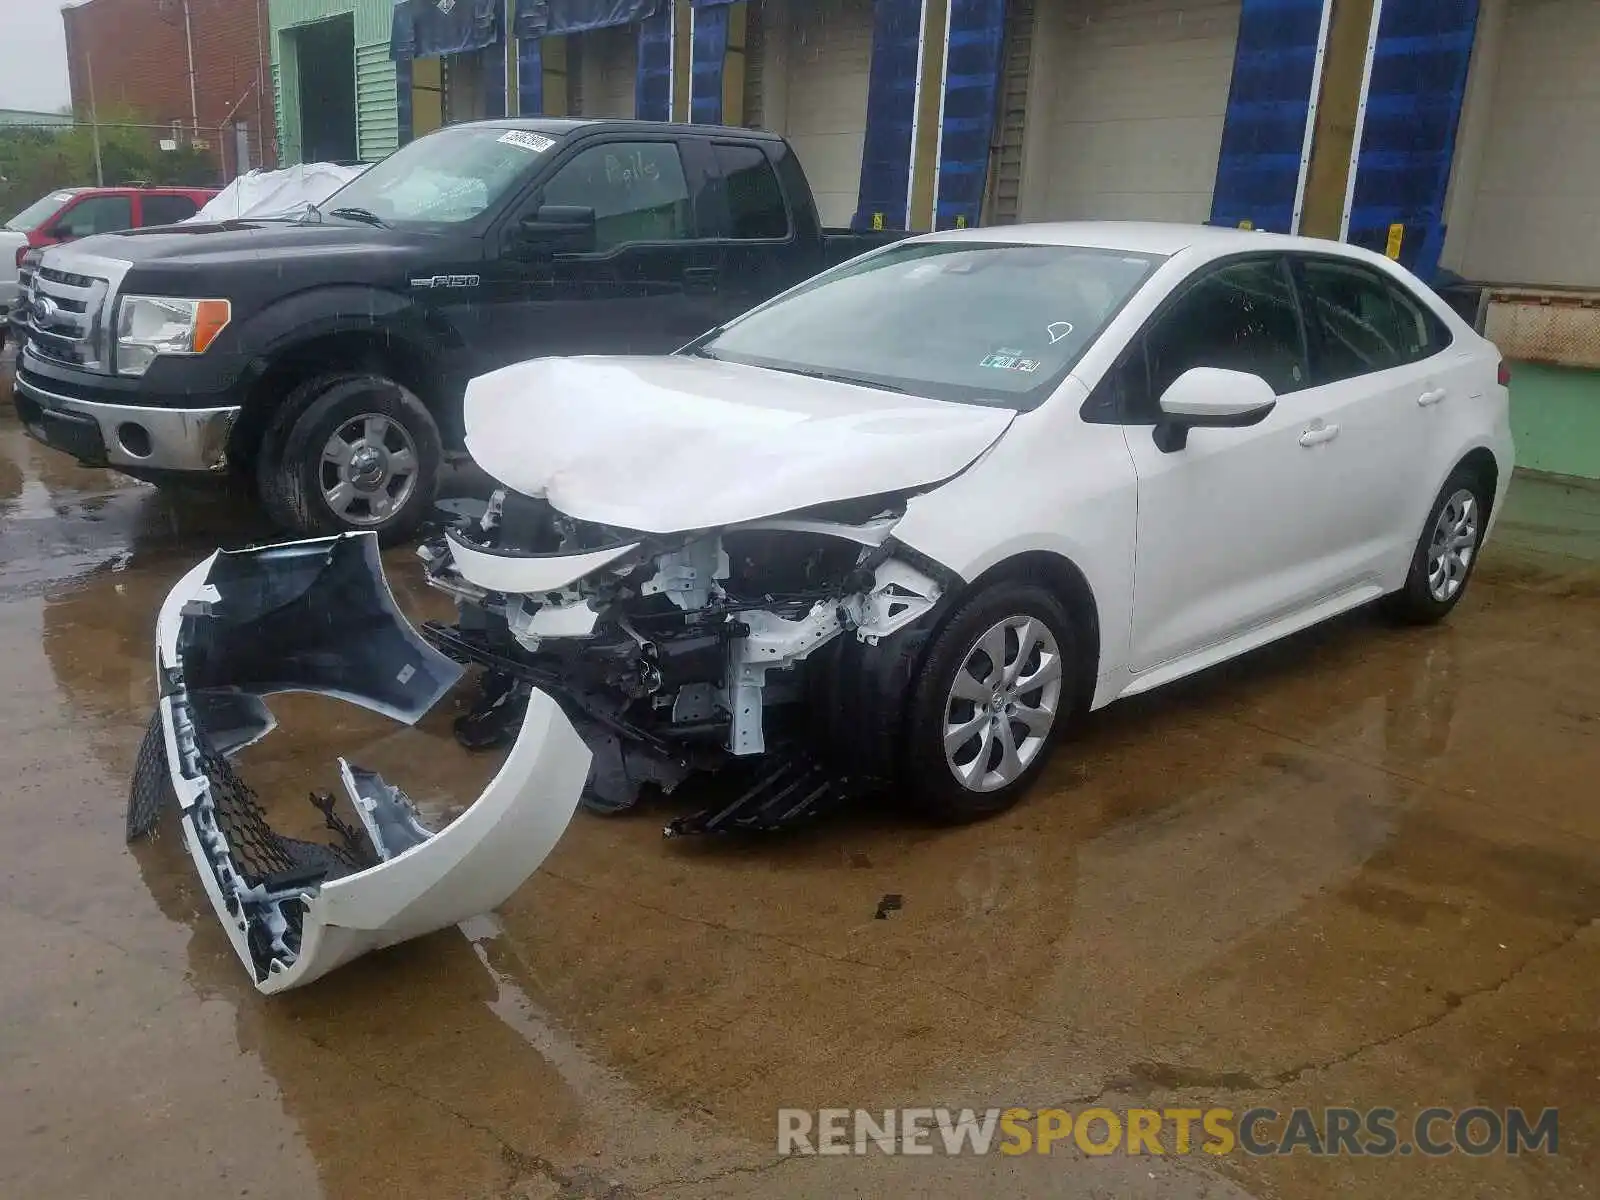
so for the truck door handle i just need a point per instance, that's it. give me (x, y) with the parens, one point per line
(1318, 434)
(1429, 398)
(700, 279)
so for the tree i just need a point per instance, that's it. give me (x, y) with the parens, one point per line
(35, 161)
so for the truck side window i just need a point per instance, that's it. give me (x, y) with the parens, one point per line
(96, 214)
(167, 210)
(637, 190)
(755, 201)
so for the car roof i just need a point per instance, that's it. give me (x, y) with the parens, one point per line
(1149, 237)
(561, 126)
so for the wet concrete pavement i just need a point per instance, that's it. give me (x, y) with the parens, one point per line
(1359, 869)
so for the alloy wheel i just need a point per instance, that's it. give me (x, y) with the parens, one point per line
(1003, 703)
(368, 469)
(1453, 545)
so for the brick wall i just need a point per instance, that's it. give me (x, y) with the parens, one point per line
(141, 65)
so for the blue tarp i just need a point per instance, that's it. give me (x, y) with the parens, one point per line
(1263, 133)
(541, 18)
(708, 62)
(424, 29)
(530, 77)
(891, 103)
(652, 89)
(971, 96)
(1419, 76)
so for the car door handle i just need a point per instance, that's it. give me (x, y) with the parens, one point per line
(1429, 398)
(1318, 434)
(700, 279)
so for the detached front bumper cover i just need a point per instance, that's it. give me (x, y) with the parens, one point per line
(318, 616)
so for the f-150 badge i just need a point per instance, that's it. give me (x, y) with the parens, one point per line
(447, 281)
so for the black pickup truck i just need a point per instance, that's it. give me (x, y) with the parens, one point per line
(322, 358)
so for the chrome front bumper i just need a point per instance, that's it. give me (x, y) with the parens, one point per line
(317, 616)
(153, 439)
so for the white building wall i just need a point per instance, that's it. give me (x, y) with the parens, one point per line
(1524, 205)
(1126, 107)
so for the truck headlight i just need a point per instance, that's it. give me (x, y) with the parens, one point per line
(149, 326)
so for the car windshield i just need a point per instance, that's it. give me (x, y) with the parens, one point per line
(448, 177)
(34, 215)
(977, 323)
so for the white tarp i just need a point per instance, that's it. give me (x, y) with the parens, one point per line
(284, 193)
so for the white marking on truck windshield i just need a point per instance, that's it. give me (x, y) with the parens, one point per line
(522, 139)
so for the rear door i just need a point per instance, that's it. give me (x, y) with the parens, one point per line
(761, 250)
(1390, 373)
(647, 287)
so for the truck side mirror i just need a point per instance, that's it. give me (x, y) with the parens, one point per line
(557, 229)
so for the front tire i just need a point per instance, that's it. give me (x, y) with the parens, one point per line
(996, 691)
(1446, 553)
(350, 453)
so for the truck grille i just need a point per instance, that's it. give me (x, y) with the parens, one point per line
(65, 317)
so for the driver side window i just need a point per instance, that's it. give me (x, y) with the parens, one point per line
(1240, 317)
(96, 214)
(637, 190)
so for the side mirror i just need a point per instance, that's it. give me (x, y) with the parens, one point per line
(557, 228)
(1211, 398)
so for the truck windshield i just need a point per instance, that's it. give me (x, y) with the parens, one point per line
(978, 323)
(34, 215)
(448, 177)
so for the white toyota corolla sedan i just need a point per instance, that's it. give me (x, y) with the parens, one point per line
(898, 527)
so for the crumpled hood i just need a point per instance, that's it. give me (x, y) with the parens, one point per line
(667, 444)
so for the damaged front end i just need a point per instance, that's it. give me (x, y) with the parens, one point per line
(317, 616)
(680, 654)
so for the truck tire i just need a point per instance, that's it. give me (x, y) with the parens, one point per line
(350, 453)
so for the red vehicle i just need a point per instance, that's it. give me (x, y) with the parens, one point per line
(71, 213)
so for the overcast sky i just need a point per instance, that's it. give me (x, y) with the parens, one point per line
(33, 55)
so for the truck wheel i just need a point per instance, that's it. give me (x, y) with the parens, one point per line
(349, 453)
(994, 694)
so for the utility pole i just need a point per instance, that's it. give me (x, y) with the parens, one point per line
(94, 121)
(194, 95)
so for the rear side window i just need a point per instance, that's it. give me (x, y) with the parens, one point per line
(96, 214)
(167, 210)
(1361, 322)
(755, 201)
(1240, 317)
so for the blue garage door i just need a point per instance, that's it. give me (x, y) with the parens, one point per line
(1419, 74)
(1264, 131)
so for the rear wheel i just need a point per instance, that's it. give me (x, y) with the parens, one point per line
(1446, 553)
(994, 696)
(349, 453)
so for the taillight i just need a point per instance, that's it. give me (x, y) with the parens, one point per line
(1505, 373)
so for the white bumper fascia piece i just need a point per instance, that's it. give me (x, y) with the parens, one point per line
(289, 931)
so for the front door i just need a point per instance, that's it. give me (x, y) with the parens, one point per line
(646, 287)
(1241, 526)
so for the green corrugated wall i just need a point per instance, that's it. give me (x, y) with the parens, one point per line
(377, 118)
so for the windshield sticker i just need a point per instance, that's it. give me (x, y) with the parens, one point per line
(522, 139)
(1010, 360)
(1058, 330)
